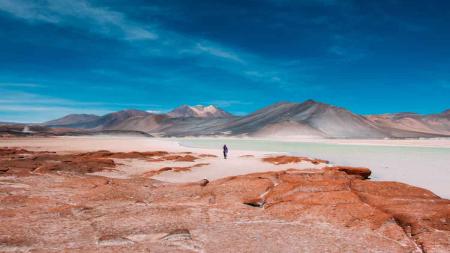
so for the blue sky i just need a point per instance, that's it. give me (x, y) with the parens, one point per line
(92, 56)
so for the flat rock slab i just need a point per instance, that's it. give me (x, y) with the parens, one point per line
(293, 210)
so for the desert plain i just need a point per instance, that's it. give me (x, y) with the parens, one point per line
(137, 194)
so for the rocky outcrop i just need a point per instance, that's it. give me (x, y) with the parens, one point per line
(284, 159)
(364, 173)
(309, 210)
(173, 169)
(23, 162)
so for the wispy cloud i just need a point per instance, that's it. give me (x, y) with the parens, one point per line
(226, 103)
(158, 111)
(219, 52)
(14, 98)
(49, 109)
(80, 14)
(157, 41)
(347, 48)
(347, 53)
(21, 85)
(29, 107)
(270, 77)
(39, 114)
(32, 107)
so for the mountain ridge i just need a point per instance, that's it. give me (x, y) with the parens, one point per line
(307, 119)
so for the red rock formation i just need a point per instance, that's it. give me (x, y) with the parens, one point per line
(207, 155)
(422, 214)
(323, 210)
(174, 169)
(38, 162)
(23, 162)
(284, 159)
(364, 173)
(181, 158)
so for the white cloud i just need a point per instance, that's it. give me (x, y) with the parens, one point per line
(80, 14)
(21, 85)
(160, 42)
(29, 107)
(156, 111)
(32, 107)
(226, 103)
(83, 15)
(39, 114)
(219, 52)
(45, 109)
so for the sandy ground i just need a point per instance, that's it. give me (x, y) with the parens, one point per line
(240, 161)
(211, 168)
(234, 165)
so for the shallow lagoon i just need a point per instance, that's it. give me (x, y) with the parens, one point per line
(427, 167)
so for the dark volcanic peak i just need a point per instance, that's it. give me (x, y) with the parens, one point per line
(198, 111)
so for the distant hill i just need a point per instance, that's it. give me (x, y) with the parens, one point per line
(87, 121)
(72, 119)
(112, 119)
(308, 119)
(437, 124)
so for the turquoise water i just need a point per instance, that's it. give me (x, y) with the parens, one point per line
(427, 167)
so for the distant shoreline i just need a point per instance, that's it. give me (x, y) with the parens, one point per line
(443, 142)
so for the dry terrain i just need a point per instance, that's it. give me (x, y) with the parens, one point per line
(117, 200)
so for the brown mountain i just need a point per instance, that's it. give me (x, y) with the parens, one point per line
(435, 124)
(307, 119)
(107, 121)
(72, 119)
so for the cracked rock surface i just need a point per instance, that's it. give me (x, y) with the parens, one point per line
(49, 203)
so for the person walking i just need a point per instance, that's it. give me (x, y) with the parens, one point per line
(225, 151)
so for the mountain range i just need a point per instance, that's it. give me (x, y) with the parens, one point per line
(308, 119)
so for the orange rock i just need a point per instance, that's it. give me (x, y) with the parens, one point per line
(320, 210)
(358, 171)
(207, 155)
(180, 158)
(291, 159)
(174, 169)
